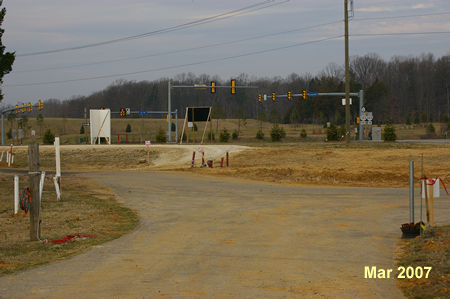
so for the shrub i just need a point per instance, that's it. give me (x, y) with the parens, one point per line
(82, 129)
(389, 133)
(224, 135)
(260, 134)
(195, 127)
(235, 135)
(277, 133)
(128, 129)
(303, 133)
(332, 133)
(49, 137)
(161, 136)
(173, 127)
(431, 129)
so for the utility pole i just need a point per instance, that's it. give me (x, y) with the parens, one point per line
(169, 111)
(347, 77)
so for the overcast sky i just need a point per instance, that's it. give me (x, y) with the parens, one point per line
(34, 26)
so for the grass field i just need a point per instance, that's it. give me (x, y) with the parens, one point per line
(146, 129)
(85, 209)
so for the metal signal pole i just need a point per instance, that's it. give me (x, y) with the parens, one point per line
(347, 77)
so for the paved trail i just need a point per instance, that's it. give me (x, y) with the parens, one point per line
(225, 238)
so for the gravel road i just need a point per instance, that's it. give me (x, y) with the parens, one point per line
(230, 238)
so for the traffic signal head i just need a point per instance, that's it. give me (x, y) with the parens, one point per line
(23, 108)
(213, 87)
(289, 95)
(273, 96)
(233, 86)
(304, 94)
(40, 105)
(260, 98)
(30, 107)
(17, 109)
(123, 112)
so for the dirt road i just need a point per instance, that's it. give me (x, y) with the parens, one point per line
(228, 238)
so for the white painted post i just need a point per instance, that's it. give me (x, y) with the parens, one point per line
(12, 159)
(41, 184)
(58, 157)
(1, 158)
(16, 194)
(58, 193)
(7, 158)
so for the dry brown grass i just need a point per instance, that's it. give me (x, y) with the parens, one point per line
(85, 209)
(367, 164)
(431, 250)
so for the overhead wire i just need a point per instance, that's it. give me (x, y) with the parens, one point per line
(177, 66)
(240, 11)
(183, 50)
(224, 43)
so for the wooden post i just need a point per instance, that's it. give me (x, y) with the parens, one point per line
(34, 174)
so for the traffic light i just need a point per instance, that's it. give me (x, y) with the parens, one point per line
(260, 98)
(167, 118)
(289, 95)
(213, 87)
(273, 96)
(30, 107)
(17, 109)
(23, 108)
(40, 105)
(123, 112)
(304, 94)
(233, 86)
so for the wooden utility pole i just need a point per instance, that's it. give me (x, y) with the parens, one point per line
(347, 77)
(35, 205)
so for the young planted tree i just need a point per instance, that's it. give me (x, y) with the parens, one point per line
(6, 58)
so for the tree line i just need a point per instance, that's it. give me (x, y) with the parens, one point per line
(403, 89)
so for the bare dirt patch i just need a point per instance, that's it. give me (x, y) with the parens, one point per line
(431, 250)
(86, 209)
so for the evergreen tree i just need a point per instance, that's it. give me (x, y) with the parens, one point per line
(6, 58)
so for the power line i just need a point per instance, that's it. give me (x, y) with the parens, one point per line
(400, 33)
(183, 50)
(178, 66)
(402, 16)
(240, 11)
(225, 43)
(224, 58)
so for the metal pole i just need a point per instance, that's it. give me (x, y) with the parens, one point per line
(361, 104)
(176, 125)
(347, 77)
(3, 128)
(169, 110)
(411, 191)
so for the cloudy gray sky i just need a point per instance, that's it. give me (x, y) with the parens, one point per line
(273, 39)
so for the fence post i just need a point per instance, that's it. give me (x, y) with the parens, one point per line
(33, 162)
(16, 194)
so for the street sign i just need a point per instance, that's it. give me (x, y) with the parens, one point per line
(313, 94)
(147, 143)
(363, 116)
(369, 122)
(343, 101)
(369, 115)
(363, 109)
(363, 122)
(265, 97)
(128, 111)
(142, 112)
